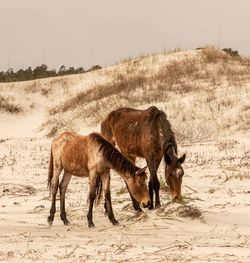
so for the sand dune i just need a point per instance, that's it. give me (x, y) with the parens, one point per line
(212, 224)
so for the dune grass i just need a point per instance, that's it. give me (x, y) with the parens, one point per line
(196, 91)
(6, 105)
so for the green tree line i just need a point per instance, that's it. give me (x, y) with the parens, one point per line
(40, 72)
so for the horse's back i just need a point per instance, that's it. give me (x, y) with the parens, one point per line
(63, 138)
(133, 130)
(59, 142)
(75, 155)
(129, 120)
(131, 113)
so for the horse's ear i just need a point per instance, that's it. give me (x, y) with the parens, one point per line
(141, 171)
(182, 158)
(167, 159)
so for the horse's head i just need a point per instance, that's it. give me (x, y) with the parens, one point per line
(138, 187)
(174, 171)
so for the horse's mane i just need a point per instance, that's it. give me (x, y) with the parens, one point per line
(154, 113)
(112, 156)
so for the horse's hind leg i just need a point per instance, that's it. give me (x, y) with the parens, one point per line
(63, 188)
(54, 188)
(108, 206)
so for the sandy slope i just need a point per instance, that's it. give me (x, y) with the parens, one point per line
(216, 184)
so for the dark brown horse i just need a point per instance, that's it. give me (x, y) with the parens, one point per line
(91, 156)
(147, 134)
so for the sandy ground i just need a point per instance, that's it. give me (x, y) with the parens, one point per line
(211, 225)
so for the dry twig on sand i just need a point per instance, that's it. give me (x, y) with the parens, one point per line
(68, 255)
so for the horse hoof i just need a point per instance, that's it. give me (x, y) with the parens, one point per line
(91, 225)
(50, 221)
(66, 222)
(158, 206)
(115, 222)
(138, 209)
(151, 207)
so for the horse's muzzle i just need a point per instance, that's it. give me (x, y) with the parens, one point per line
(146, 205)
(177, 198)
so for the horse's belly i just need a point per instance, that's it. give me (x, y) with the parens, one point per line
(76, 169)
(81, 173)
(132, 151)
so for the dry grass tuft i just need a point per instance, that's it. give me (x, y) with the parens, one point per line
(171, 210)
(189, 211)
(17, 189)
(7, 106)
(119, 85)
(214, 55)
(57, 125)
(173, 76)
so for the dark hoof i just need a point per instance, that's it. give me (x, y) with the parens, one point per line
(91, 225)
(157, 205)
(138, 209)
(50, 220)
(66, 222)
(114, 222)
(151, 207)
(136, 206)
(64, 219)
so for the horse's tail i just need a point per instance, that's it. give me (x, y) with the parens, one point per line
(98, 190)
(51, 167)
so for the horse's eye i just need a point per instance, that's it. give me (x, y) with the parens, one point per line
(179, 172)
(140, 181)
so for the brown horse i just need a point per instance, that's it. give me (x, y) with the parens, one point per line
(91, 156)
(147, 134)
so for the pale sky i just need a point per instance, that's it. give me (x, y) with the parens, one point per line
(89, 32)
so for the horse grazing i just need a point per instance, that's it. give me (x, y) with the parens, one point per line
(147, 134)
(91, 156)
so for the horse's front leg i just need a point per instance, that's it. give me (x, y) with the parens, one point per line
(92, 195)
(105, 177)
(136, 206)
(134, 202)
(154, 185)
(157, 185)
(151, 192)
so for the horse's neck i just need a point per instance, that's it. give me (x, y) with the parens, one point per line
(165, 134)
(125, 173)
(162, 136)
(121, 165)
(171, 140)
